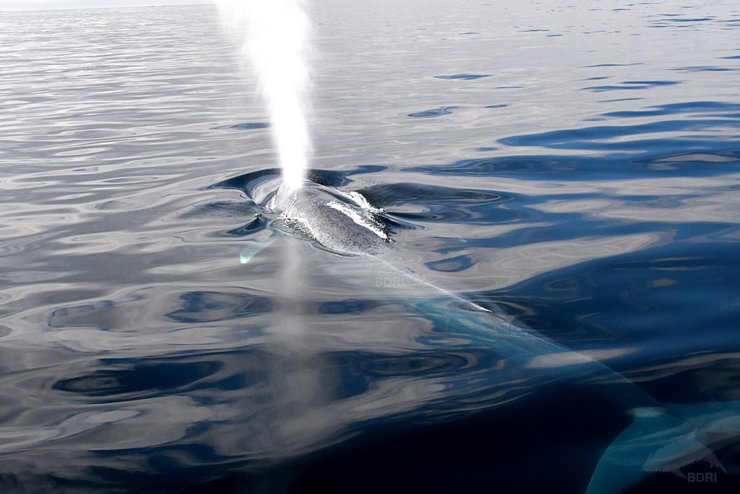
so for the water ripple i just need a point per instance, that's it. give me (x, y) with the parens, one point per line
(464, 77)
(435, 112)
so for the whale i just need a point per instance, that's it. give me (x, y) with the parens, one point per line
(341, 222)
(354, 237)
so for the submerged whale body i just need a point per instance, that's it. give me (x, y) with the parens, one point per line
(661, 438)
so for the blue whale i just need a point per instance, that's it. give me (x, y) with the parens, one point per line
(661, 438)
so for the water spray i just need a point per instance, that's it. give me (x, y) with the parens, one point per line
(275, 36)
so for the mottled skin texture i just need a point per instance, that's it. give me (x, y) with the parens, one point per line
(309, 207)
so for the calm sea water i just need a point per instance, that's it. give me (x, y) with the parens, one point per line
(573, 165)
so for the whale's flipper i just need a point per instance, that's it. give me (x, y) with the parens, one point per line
(671, 440)
(256, 243)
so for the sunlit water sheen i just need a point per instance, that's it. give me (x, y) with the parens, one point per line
(576, 165)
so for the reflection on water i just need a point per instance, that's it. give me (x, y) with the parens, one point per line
(573, 169)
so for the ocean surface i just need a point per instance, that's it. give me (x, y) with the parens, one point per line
(574, 167)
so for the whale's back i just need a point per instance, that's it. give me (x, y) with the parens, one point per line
(333, 219)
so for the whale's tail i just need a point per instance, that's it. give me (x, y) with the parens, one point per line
(681, 441)
(684, 442)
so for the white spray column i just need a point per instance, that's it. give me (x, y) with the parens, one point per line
(275, 37)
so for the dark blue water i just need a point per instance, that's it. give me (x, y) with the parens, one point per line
(573, 168)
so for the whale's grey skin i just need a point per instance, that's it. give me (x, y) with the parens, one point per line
(661, 438)
(339, 222)
(334, 220)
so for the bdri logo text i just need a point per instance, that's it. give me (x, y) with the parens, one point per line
(390, 282)
(701, 477)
